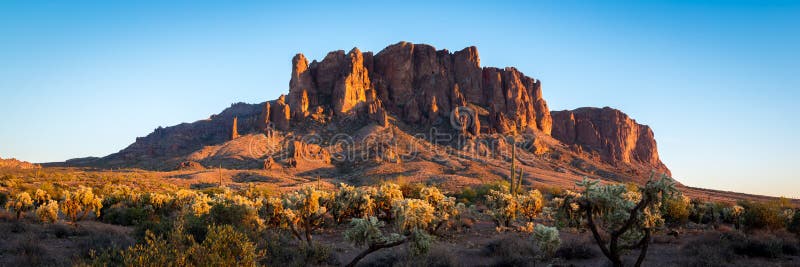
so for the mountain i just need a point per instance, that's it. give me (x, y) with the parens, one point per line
(409, 110)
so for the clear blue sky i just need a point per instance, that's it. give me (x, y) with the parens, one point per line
(716, 80)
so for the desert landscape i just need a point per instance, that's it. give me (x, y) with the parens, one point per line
(411, 155)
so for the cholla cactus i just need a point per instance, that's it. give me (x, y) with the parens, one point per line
(157, 200)
(48, 212)
(273, 213)
(503, 207)
(351, 202)
(304, 211)
(78, 204)
(628, 217)
(387, 194)
(121, 194)
(200, 204)
(20, 204)
(413, 214)
(367, 232)
(565, 209)
(733, 214)
(184, 197)
(444, 207)
(40, 197)
(547, 239)
(531, 204)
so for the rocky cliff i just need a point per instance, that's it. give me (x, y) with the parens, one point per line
(608, 132)
(419, 85)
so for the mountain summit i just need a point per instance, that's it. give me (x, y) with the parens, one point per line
(408, 110)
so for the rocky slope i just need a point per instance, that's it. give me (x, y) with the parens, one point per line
(409, 109)
(17, 164)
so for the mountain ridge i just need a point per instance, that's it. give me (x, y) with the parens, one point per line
(405, 90)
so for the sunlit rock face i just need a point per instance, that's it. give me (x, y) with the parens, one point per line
(609, 132)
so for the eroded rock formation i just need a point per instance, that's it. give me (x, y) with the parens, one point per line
(609, 132)
(419, 84)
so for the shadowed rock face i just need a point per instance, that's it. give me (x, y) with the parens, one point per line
(611, 133)
(418, 84)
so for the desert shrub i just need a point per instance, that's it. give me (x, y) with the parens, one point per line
(438, 256)
(476, 194)
(531, 204)
(30, 252)
(710, 249)
(676, 209)
(121, 215)
(794, 225)
(223, 246)
(76, 205)
(761, 215)
(61, 230)
(20, 203)
(281, 250)
(511, 251)
(48, 212)
(411, 190)
(733, 214)
(158, 227)
(3, 198)
(546, 239)
(502, 207)
(576, 249)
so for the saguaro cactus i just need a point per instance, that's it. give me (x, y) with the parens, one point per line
(515, 176)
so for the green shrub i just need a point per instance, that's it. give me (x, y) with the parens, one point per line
(126, 216)
(676, 209)
(3, 199)
(762, 215)
(794, 225)
(224, 246)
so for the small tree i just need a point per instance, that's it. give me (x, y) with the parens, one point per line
(80, 203)
(48, 212)
(20, 203)
(627, 217)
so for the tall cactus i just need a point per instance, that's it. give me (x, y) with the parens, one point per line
(515, 177)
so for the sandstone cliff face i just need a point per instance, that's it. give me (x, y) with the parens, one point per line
(609, 132)
(418, 84)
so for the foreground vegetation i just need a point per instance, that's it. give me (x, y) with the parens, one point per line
(163, 225)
